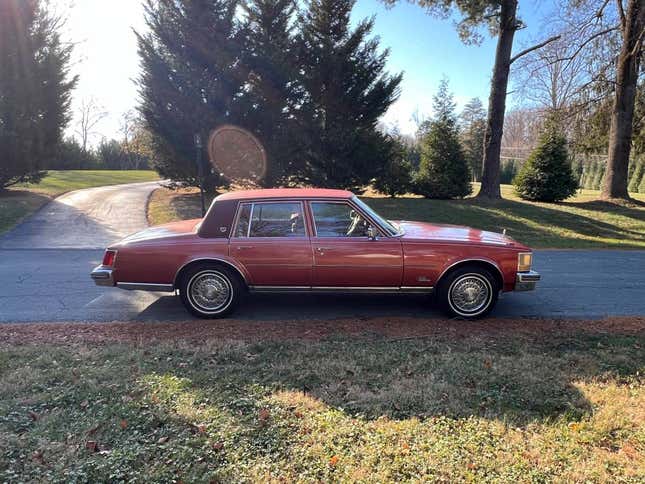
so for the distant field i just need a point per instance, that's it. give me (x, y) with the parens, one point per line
(580, 222)
(22, 200)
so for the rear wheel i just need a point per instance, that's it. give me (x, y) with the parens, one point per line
(209, 290)
(469, 292)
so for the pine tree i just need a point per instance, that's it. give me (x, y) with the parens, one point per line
(637, 175)
(395, 177)
(598, 175)
(346, 90)
(35, 89)
(443, 172)
(546, 175)
(272, 92)
(473, 129)
(191, 82)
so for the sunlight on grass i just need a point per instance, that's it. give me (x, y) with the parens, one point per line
(564, 406)
(57, 182)
(581, 222)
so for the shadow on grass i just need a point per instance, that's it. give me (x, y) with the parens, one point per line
(533, 224)
(232, 410)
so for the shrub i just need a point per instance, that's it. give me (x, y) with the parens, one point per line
(546, 176)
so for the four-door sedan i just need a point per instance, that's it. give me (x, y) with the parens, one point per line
(315, 240)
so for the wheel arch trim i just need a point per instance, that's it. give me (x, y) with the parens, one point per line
(218, 260)
(473, 259)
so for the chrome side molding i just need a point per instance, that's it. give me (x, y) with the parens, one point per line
(341, 289)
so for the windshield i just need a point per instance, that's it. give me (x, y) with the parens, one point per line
(386, 225)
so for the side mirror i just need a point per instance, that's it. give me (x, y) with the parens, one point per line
(371, 233)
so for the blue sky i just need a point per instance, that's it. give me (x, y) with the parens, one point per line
(423, 47)
(426, 48)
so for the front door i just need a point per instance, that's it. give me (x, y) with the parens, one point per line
(270, 239)
(345, 255)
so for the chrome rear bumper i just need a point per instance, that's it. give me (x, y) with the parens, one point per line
(526, 281)
(102, 276)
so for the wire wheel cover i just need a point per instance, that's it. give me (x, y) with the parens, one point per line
(210, 291)
(470, 294)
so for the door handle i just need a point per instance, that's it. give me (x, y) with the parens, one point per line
(322, 249)
(244, 247)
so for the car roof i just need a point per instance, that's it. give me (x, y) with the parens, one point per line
(285, 193)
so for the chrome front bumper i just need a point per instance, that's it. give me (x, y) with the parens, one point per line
(526, 281)
(102, 276)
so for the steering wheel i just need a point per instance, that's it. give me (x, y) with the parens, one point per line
(356, 220)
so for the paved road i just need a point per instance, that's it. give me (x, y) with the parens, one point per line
(53, 285)
(45, 264)
(89, 218)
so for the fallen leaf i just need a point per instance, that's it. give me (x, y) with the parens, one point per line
(92, 446)
(264, 414)
(218, 446)
(162, 440)
(123, 424)
(488, 363)
(575, 426)
(34, 416)
(84, 404)
(334, 460)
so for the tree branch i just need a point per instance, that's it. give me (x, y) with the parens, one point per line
(621, 12)
(535, 47)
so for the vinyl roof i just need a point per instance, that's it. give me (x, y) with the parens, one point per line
(285, 193)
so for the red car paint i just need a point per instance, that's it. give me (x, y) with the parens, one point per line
(417, 258)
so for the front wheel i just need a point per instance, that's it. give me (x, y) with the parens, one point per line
(469, 292)
(210, 291)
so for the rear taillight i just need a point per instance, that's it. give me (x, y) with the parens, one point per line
(108, 258)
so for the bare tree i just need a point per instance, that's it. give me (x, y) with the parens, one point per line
(90, 115)
(128, 127)
(551, 77)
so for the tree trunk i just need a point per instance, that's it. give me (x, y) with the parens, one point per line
(497, 101)
(622, 115)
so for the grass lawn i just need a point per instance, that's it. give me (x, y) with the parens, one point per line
(335, 401)
(580, 222)
(22, 200)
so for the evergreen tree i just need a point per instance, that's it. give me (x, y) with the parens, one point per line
(598, 175)
(443, 172)
(35, 89)
(192, 80)
(395, 177)
(638, 172)
(546, 176)
(473, 129)
(346, 90)
(271, 91)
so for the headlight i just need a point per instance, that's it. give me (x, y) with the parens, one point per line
(524, 260)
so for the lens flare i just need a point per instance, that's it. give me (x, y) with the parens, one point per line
(237, 154)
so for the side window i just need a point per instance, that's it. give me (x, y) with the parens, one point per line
(271, 219)
(338, 220)
(242, 229)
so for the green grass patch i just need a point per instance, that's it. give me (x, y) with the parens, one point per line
(58, 182)
(24, 199)
(567, 408)
(582, 222)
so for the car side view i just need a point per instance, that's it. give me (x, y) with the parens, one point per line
(315, 240)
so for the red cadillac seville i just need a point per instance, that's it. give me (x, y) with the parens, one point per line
(315, 240)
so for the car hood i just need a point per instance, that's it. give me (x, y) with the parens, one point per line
(172, 229)
(418, 231)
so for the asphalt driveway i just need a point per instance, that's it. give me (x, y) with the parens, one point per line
(90, 219)
(45, 264)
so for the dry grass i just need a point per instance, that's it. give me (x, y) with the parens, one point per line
(360, 401)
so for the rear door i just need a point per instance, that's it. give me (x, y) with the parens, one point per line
(344, 254)
(270, 239)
